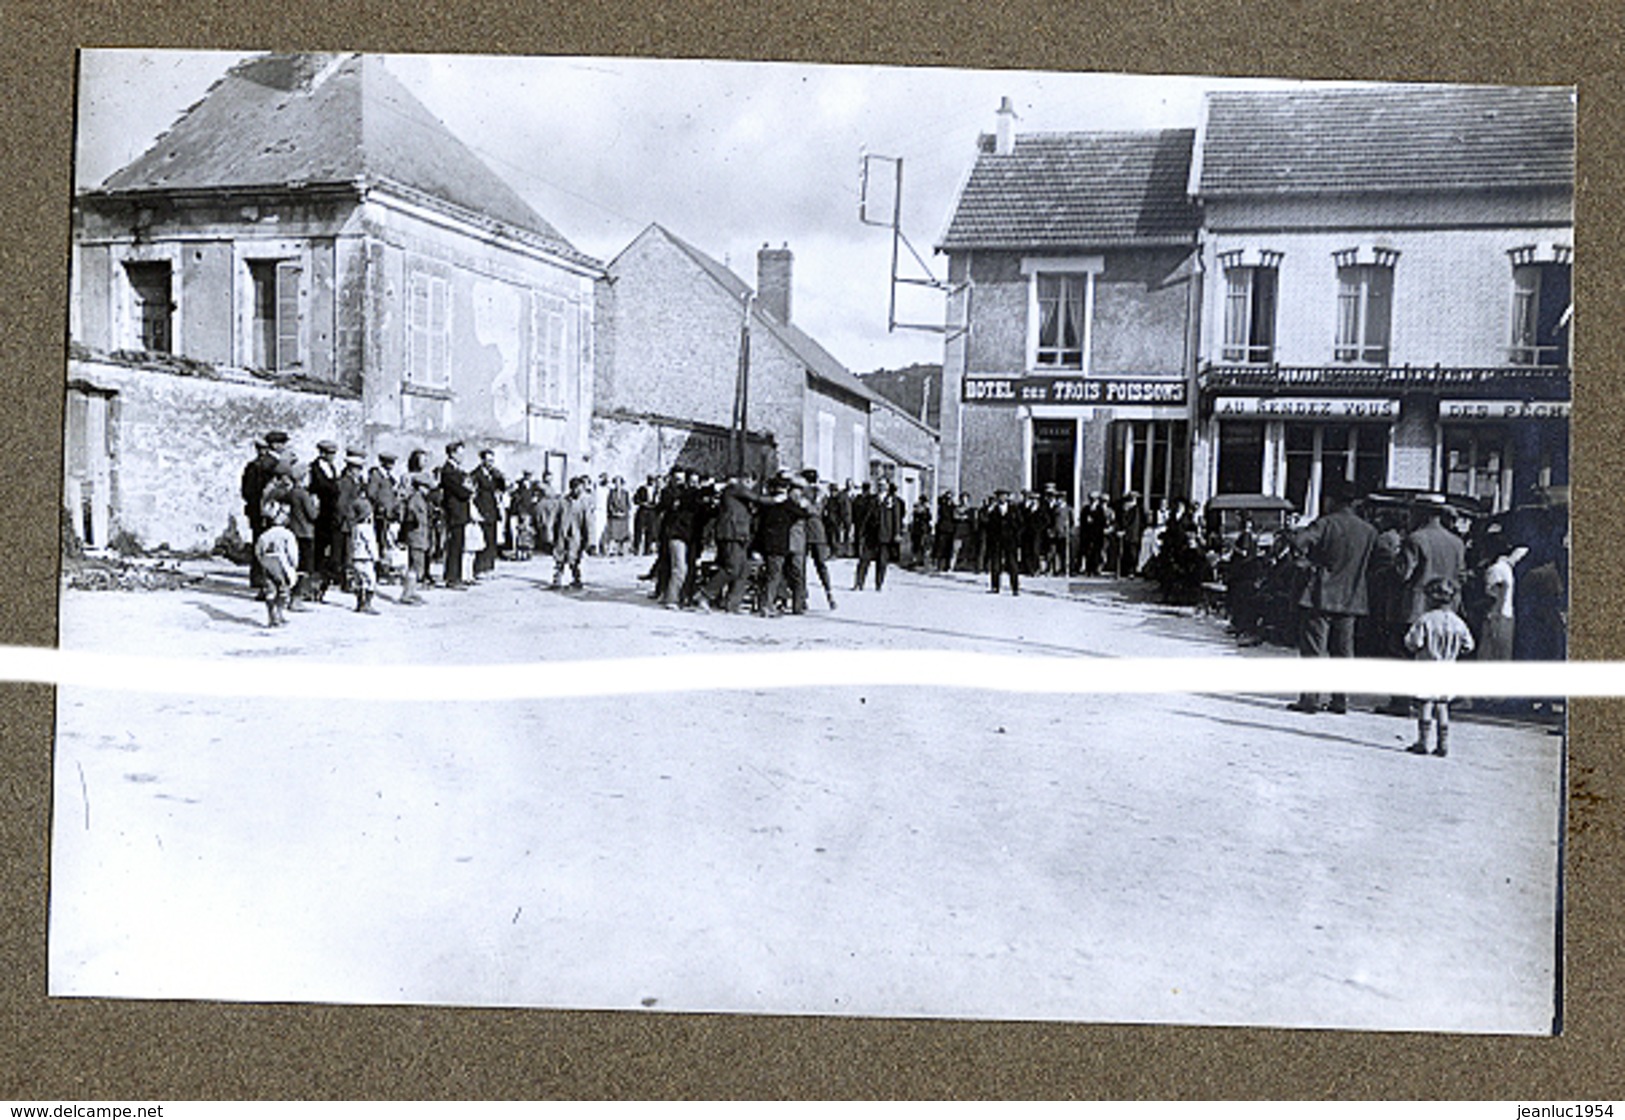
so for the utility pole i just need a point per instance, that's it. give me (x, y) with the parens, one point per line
(739, 434)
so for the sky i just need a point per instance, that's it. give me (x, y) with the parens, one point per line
(727, 155)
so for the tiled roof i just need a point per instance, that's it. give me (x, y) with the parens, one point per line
(1392, 138)
(1077, 190)
(818, 361)
(281, 120)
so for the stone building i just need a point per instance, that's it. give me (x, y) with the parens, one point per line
(671, 325)
(1070, 343)
(309, 248)
(1388, 291)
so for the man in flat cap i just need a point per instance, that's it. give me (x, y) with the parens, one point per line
(259, 471)
(1001, 534)
(324, 487)
(384, 494)
(350, 485)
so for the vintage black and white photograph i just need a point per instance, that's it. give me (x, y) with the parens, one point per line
(653, 377)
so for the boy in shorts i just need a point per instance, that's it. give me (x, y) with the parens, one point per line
(1439, 635)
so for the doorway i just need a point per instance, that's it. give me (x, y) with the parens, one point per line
(1055, 448)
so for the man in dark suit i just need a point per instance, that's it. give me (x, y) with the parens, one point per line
(351, 484)
(1338, 546)
(1001, 534)
(879, 532)
(455, 493)
(728, 584)
(324, 487)
(1430, 552)
(487, 482)
(861, 509)
(1130, 528)
(261, 469)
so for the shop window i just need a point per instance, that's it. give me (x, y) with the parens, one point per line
(1476, 463)
(1249, 314)
(1541, 296)
(1241, 457)
(1365, 303)
(1062, 331)
(1317, 454)
(1149, 457)
(151, 284)
(275, 325)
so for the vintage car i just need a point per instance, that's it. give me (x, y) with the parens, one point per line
(1227, 512)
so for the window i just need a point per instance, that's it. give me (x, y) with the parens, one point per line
(1149, 457)
(1476, 464)
(1365, 301)
(274, 329)
(1249, 314)
(1318, 453)
(860, 453)
(154, 304)
(1241, 457)
(428, 331)
(550, 352)
(1540, 314)
(1062, 331)
(826, 446)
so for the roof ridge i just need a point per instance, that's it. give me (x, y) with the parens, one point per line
(279, 120)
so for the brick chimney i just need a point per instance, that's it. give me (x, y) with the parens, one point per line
(1005, 141)
(773, 281)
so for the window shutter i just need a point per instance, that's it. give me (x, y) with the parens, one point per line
(555, 356)
(417, 326)
(288, 319)
(1378, 313)
(1348, 313)
(439, 333)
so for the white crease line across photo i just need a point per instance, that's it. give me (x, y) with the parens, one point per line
(941, 669)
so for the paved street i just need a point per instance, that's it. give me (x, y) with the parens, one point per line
(1185, 858)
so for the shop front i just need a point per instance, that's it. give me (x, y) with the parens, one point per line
(1426, 433)
(1502, 452)
(1082, 433)
(1295, 447)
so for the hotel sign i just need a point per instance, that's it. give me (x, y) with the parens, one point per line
(1308, 408)
(1074, 389)
(1457, 411)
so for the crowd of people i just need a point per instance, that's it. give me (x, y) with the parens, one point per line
(1420, 579)
(1424, 537)
(327, 523)
(1359, 579)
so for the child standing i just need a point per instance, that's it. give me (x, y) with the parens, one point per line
(414, 534)
(363, 555)
(278, 556)
(1439, 635)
